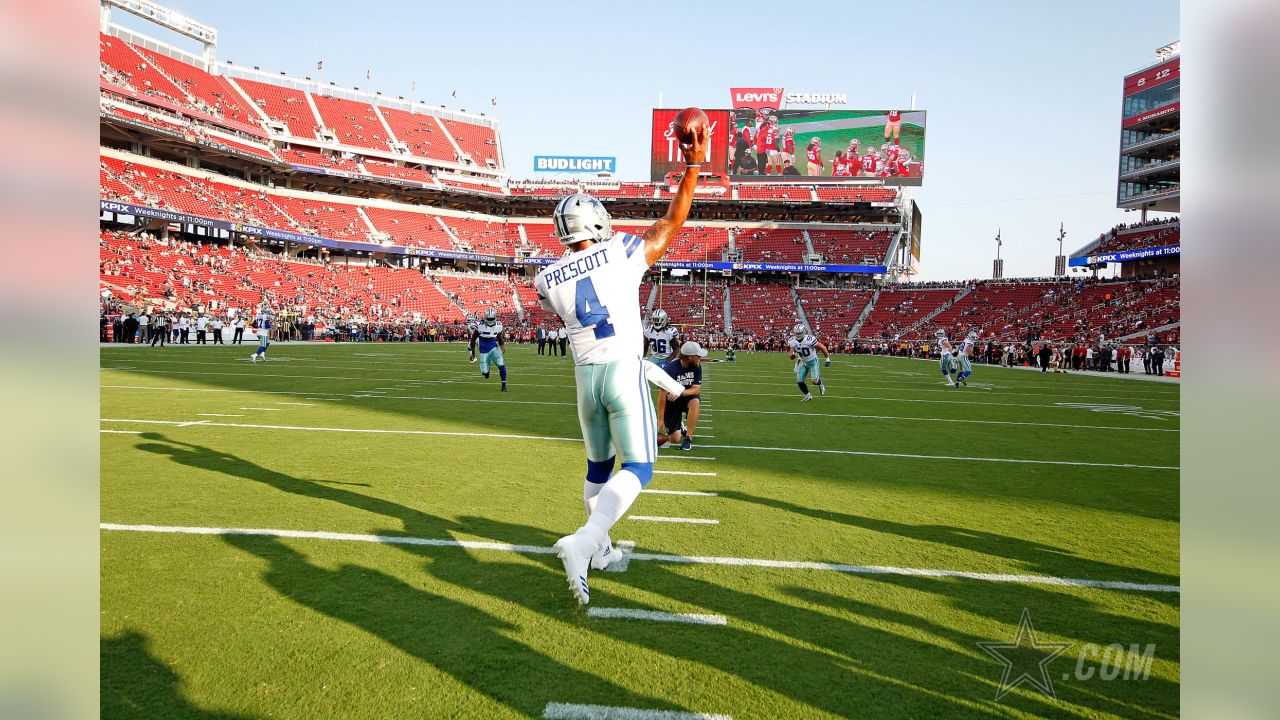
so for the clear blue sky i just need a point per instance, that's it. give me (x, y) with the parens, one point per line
(1023, 97)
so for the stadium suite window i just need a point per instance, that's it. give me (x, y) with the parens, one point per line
(1152, 98)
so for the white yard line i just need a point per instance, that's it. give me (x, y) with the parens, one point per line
(298, 404)
(695, 493)
(267, 409)
(656, 616)
(573, 711)
(122, 432)
(653, 557)
(219, 415)
(683, 472)
(656, 518)
(671, 455)
(950, 420)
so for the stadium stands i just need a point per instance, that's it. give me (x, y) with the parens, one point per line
(416, 229)
(831, 312)
(763, 310)
(352, 122)
(697, 308)
(399, 172)
(284, 105)
(492, 237)
(855, 247)
(770, 245)
(898, 308)
(475, 294)
(420, 133)
(477, 141)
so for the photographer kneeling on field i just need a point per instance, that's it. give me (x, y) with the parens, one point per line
(686, 368)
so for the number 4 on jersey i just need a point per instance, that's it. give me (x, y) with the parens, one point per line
(589, 310)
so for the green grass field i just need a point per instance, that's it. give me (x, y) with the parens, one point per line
(337, 441)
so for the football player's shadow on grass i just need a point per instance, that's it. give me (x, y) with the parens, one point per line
(137, 684)
(826, 678)
(1034, 556)
(1053, 611)
(466, 642)
(415, 522)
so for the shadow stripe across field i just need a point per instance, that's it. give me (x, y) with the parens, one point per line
(658, 557)
(547, 438)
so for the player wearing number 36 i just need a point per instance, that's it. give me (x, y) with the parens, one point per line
(596, 291)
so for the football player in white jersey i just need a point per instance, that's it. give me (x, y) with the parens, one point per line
(488, 335)
(804, 349)
(660, 338)
(945, 359)
(595, 291)
(262, 323)
(964, 368)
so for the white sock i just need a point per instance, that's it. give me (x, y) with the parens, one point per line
(610, 505)
(589, 492)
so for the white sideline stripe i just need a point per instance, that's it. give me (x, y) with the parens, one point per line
(683, 559)
(572, 711)
(671, 455)
(299, 404)
(952, 420)
(347, 537)
(122, 432)
(219, 415)
(691, 521)
(333, 397)
(267, 409)
(941, 457)
(656, 616)
(683, 472)
(695, 493)
(193, 422)
(350, 430)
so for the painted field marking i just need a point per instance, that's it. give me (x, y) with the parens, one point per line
(266, 409)
(573, 711)
(219, 415)
(334, 397)
(695, 493)
(194, 422)
(690, 521)
(952, 420)
(652, 557)
(296, 403)
(672, 455)
(122, 432)
(683, 472)
(624, 548)
(656, 616)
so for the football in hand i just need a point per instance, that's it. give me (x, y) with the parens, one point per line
(687, 121)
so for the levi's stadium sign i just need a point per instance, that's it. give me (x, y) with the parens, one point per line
(775, 98)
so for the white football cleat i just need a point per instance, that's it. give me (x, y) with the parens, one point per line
(823, 388)
(473, 361)
(807, 397)
(604, 556)
(254, 357)
(576, 557)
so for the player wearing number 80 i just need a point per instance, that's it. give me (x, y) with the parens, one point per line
(804, 350)
(595, 291)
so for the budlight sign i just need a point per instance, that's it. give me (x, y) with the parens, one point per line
(574, 163)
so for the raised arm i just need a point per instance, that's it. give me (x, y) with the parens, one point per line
(660, 234)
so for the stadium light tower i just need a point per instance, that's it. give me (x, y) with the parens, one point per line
(1060, 262)
(997, 269)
